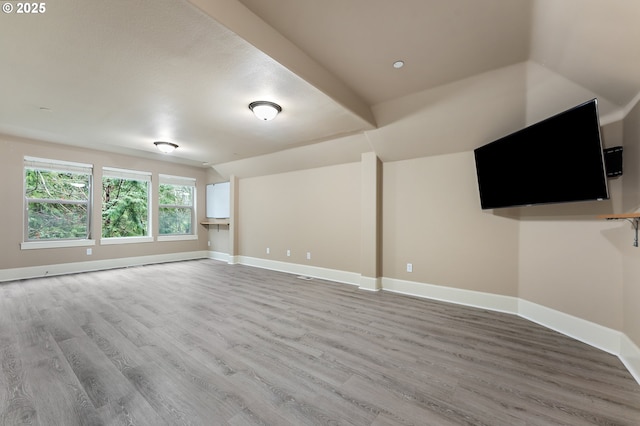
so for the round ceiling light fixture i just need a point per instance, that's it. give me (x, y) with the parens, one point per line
(398, 64)
(265, 110)
(165, 147)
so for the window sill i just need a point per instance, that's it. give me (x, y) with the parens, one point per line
(35, 245)
(177, 237)
(125, 240)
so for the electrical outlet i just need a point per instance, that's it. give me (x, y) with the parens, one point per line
(268, 250)
(89, 252)
(409, 267)
(288, 252)
(308, 255)
(208, 243)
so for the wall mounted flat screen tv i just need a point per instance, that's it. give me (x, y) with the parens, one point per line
(557, 160)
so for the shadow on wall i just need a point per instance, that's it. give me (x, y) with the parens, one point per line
(583, 210)
(630, 161)
(622, 236)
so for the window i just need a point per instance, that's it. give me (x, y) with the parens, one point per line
(125, 206)
(176, 212)
(57, 203)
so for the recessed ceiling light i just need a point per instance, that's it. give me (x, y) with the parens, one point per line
(398, 64)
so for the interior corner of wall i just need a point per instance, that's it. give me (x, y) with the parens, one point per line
(630, 356)
(370, 283)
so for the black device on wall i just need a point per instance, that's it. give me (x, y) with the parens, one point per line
(613, 161)
(557, 160)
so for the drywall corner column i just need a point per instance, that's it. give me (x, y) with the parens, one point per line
(233, 222)
(371, 217)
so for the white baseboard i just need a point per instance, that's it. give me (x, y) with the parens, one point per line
(370, 283)
(477, 299)
(217, 255)
(95, 265)
(344, 277)
(588, 332)
(630, 356)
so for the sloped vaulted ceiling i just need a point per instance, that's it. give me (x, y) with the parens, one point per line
(119, 75)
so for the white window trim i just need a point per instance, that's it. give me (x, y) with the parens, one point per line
(125, 240)
(32, 245)
(113, 172)
(176, 180)
(177, 237)
(57, 165)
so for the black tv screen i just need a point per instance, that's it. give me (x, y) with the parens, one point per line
(557, 160)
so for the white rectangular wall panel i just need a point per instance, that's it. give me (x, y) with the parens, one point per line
(219, 200)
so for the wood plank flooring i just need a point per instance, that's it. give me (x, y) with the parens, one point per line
(206, 343)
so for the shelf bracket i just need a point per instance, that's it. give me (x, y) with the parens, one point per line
(634, 222)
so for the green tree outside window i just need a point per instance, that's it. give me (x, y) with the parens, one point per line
(176, 209)
(57, 204)
(125, 211)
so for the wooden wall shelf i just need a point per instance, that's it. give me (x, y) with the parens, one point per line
(215, 222)
(619, 216)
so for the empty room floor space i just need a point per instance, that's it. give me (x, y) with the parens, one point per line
(206, 343)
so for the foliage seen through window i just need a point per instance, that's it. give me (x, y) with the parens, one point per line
(176, 209)
(57, 204)
(125, 210)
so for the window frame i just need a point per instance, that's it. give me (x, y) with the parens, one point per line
(127, 174)
(164, 179)
(51, 165)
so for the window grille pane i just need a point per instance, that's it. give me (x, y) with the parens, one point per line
(175, 220)
(49, 221)
(54, 185)
(176, 195)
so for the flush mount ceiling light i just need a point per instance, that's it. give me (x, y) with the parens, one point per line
(398, 64)
(165, 147)
(265, 110)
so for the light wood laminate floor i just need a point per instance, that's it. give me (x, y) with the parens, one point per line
(205, 343)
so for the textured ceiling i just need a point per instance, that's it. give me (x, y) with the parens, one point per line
(119, 75)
